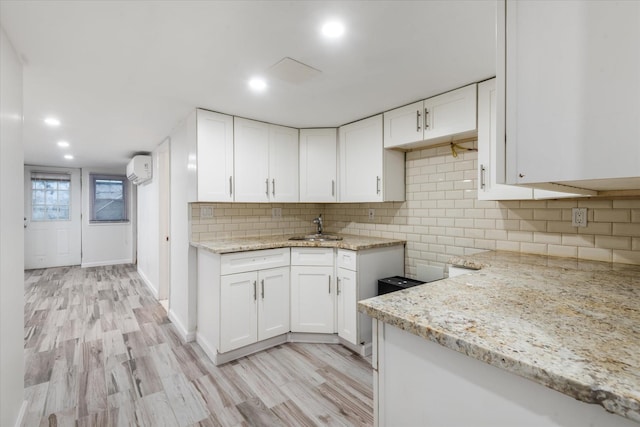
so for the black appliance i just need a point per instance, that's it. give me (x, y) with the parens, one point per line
(396, 283)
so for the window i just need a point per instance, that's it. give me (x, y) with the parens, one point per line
(109, 198)
(50, 196)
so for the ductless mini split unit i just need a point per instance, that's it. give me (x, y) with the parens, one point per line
(139, 169)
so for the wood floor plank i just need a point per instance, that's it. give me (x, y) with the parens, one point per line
(258, 414)
(184, 400)
(291, 415)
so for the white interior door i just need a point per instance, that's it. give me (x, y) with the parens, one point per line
(164, 201)
(52, 235)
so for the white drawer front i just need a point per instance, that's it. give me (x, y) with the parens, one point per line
(312, 256)
(347, 259)
(241, 262)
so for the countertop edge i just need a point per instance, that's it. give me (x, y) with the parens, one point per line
(253, 244)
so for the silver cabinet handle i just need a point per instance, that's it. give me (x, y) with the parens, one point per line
(329, 284)
(482, 173)
(230, 185)
(426, 119)
(377, 185)
(262, 291)
(266, 181)
(333, 187)
(254, 290)
(273, 187)
(338, 286)
(418, 121)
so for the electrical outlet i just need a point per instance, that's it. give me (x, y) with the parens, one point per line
(579, 217)
(206, 212)
(372, 214)
(276, 213)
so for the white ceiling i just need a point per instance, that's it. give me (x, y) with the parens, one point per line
(120, 75)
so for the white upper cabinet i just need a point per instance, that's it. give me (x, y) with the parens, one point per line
(445, 117)
(572, 93)
(266, 162)
(318, 165)
(211, 157)
(491, 157)
(283, 164)
(368, 172)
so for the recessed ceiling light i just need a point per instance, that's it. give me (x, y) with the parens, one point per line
(333, 29)
(63, 144)
(68, 156)
(258, 84)
(52, 121)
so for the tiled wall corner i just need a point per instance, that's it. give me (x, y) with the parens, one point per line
(442, 217)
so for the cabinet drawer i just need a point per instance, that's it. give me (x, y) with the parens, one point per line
(347, 259)
(312, 256)
(240, 262)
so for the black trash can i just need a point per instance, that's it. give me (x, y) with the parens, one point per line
(396, 283)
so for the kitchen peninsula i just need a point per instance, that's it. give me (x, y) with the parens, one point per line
(567, 325)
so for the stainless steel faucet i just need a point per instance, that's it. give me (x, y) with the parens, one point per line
(318, 222)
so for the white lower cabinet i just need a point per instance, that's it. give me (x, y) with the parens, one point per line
(313, 290)
(256, 307)
(250, 301)
(347, 295)
(242, 299)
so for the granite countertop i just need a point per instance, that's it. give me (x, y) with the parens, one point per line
(571, 325)
(354, 243)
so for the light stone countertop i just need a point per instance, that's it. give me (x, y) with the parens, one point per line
(571, 325)
(354, 243)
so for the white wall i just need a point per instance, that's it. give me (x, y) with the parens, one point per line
(106, 244)
(182, 297)
(12, 240)
(148, 229)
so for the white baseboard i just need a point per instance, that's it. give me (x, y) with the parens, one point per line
(23, 410)
(182, 331)
(108, 262)
(147, 282)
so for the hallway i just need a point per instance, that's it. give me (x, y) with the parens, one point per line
(100, 351)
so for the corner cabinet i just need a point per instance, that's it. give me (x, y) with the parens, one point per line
(266, 162)
(572, 97)
(441, 118)
(368, 172)
(210, 162)
(313, 290)
(318, 165)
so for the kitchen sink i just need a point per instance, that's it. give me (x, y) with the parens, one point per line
(317, 238)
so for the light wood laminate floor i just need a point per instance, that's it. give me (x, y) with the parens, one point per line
(100, 351)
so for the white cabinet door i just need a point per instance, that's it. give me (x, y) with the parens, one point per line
(312, 299)
(214, 156)
(251, 154)
(488, 157)
(347, 300)
(238, 310)
(318, 165)
(361, 161)
(273, 303)
(452, 113)
(573, 103)
(403, 125)
(283, 164)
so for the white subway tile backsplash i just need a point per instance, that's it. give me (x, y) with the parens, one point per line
(442, 217)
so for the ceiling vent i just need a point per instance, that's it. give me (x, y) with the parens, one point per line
(291, 71)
